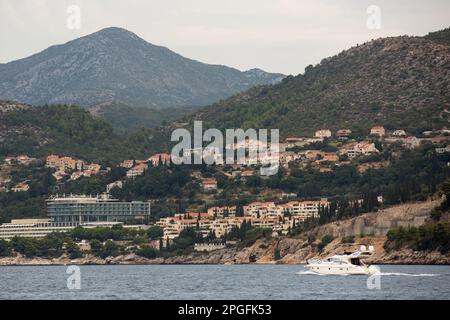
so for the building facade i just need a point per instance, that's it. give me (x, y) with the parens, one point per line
(82, 209)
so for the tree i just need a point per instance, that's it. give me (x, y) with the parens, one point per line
(96, 247)
(73, 250)
(5, 249)
(110, 249)
(155, 232)
(147, 252)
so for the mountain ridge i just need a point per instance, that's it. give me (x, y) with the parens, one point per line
(115, 65)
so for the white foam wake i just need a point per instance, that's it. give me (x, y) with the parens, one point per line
(308, 273)
(408, 274)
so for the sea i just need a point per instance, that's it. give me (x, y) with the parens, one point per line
(224, 282)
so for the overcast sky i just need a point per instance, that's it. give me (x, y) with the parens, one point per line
(275, 35)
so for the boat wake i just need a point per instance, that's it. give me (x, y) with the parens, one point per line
(309, 273)
(407, 274)
(380, 274)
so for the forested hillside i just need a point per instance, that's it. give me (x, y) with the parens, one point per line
(399, 82)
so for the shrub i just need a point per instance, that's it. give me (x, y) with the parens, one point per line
(326, 239)
(147, 252)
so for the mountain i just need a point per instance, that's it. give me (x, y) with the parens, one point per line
(399, 82)
(115, 65)
(69, 130)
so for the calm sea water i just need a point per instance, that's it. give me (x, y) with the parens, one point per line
(221, 282)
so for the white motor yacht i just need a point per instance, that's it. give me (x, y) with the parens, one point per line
(344, 264)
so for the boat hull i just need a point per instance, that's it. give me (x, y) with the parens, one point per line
(339, 270)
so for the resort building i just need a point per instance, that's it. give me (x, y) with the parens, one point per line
(34, 228)
(304, 209)
(221, 212)
(39, 228)
(81, 209)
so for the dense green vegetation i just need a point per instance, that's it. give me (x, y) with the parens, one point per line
(434, 236)
(134, 118)
(70, 130)
(158, 182)
(372, 83)
(441, 36)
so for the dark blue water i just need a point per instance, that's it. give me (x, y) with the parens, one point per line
(221, 282)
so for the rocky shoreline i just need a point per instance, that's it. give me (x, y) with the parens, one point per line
(367, 229)
(292, 251)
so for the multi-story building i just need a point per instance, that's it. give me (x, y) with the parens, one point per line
(262, 209)
(33, 228)
(81, 209)
(39, 228)
(304, 209)
(221, 212)
(64, 163)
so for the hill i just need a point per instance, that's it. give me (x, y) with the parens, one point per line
(68, 130)
(399, 82)
(115, 65)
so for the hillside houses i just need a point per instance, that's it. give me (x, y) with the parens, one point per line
(411, 142)
(355, 149)
(323, 133)
(209, 184)
(128, 164)
(160, 158)
(137, 170)
(399, 133)
(21, 187)
(378, 131)
(343, 134)
(64, 165)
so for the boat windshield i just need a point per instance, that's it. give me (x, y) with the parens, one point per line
(336, 260)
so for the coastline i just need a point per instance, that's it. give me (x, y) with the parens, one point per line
(231, 257)
(367, 229)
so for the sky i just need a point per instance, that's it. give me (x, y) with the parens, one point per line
(275, 35)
